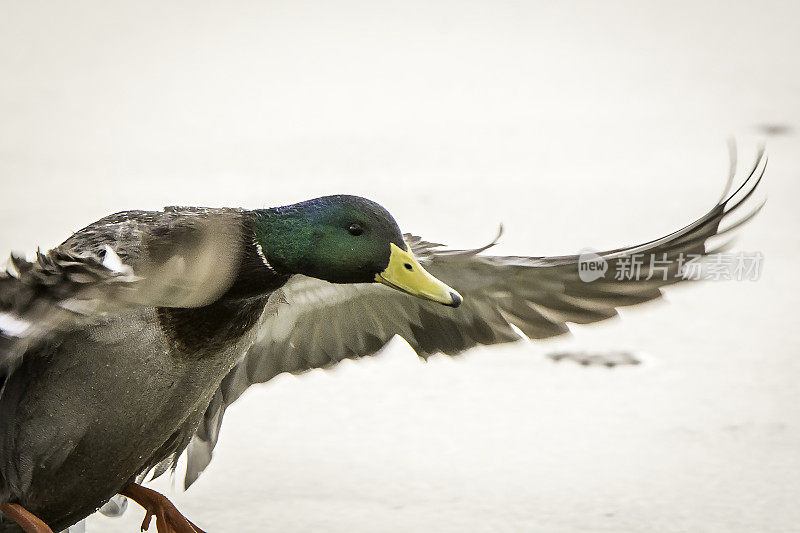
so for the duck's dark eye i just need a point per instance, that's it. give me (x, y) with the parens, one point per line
(408, 266)
(355, 229)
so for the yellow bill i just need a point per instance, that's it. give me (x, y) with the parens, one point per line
(405, 274)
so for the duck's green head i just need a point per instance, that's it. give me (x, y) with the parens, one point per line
(345, 239)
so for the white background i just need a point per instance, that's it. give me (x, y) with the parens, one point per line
(576, 124)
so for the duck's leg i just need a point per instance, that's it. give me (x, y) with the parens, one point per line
(168, 518)
(26, 520)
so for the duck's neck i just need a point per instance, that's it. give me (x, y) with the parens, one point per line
(283, 237)
(204, 331)
(256, 277)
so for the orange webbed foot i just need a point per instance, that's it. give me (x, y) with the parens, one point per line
(168, 518)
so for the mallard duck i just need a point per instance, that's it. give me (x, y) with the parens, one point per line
(125, 345)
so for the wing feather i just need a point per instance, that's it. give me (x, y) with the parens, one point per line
(176, 258)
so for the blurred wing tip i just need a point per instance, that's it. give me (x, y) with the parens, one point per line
(500, 230)
(12, 326)
(112, 261)
(749, 184)
(11, 268)
(732, 163)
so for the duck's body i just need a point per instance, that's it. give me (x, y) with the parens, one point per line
(88, 413)
(71, 415)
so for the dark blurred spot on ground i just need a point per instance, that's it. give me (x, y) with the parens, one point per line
(774, 130)
(610, 359)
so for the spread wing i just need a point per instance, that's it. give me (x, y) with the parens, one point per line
(319, 324)
(180, 257)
